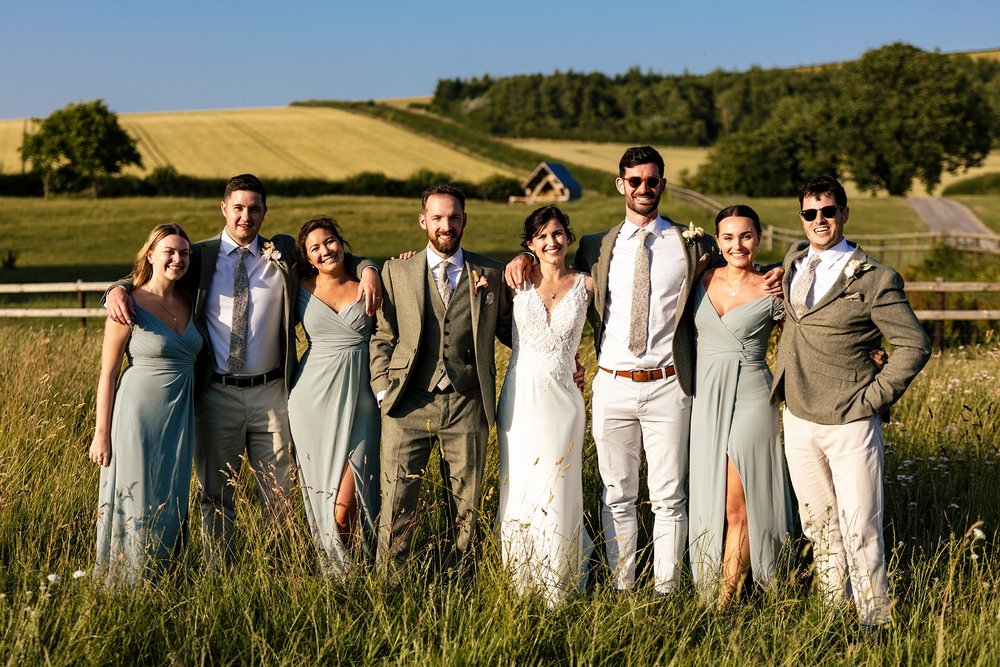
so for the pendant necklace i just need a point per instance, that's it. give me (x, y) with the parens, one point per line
(739, 286)
(161, 302)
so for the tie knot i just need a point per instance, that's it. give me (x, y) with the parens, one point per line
(814, 262)
(643, 234)
(242, 252)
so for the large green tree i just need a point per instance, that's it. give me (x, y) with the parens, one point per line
(903, 114)
(80, 142)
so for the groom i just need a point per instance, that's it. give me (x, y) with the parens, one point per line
(840, 303)
(434, 374)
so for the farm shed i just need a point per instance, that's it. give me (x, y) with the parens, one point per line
(550, 181)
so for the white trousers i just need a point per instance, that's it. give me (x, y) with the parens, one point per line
(836, 471)
(652, 417)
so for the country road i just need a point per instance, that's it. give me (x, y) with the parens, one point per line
(947, 215)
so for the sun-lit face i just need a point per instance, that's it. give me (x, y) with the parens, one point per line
(551, 243)
(170, 257)
(325, 251)
(823, 232)
(444, 221)
(643, 199)
(244, 211)
(738, 241)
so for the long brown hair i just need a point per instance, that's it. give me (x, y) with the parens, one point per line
(142, 270)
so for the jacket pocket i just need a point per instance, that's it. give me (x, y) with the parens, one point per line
(400, 361)
(835, 372)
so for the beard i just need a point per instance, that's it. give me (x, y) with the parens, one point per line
(446, 246)
(643, 208)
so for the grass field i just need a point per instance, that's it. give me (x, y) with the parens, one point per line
(70, 238)
(275, 607)
(278, 142)
(986, 208)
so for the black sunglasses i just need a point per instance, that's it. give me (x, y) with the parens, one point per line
(651, 182)
(809, 214)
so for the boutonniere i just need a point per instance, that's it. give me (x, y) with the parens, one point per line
(270, 253)
(480, 282)
(855, 268)
(692, 233)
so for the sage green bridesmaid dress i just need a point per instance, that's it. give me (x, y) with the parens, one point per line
(335, 421)
(732, 418)
(145, 490)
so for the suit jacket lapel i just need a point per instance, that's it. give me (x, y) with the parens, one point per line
(842, 282)
(416, 271)
(691, 260)
(786, 280)
(209, 258)
(471, 278)
(603, 267)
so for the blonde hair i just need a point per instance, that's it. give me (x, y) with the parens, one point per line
(142, 271)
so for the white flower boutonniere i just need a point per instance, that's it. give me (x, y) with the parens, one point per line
(270, 253)
(480, 282)
(692, 233)
(854, 269)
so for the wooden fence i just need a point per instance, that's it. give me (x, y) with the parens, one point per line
(881, 245)
(939, 315)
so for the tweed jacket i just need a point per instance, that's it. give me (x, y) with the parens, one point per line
(400, 325)
(594, 257)
(824, 371)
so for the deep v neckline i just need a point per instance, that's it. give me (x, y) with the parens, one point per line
(338, 313)
(723, 315)
(190, 321)
(555, 306)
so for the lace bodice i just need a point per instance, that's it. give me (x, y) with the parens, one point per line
(548, 347)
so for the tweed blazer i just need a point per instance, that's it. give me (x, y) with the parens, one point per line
(400, 325)
(824, 371)
(594, 257)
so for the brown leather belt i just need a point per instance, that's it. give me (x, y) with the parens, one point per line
(642, 376)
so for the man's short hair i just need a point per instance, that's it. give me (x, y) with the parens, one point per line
(441, 189)
(823, 185)
(245, 182)
(637, 155)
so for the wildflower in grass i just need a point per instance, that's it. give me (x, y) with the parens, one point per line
(978, 534)
(54, 578)
(79, 573)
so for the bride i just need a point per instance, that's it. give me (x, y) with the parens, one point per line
(541, 419)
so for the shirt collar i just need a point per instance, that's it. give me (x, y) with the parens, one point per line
(229, 246)
(831, 255)
(433, 259)
(655, 228)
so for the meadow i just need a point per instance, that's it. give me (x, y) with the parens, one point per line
(276, 607)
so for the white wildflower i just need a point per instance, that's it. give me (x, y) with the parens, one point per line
(54, 578)
(978, 534)
(79, 573)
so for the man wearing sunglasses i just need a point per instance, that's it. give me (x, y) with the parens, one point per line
(643, 270)
(840, 304)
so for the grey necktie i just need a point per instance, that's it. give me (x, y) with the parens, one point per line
(804, 285)
(443, 284)
(639, 330)
(241, 301)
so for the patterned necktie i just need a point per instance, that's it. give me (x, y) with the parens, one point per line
(804, 285)
(443, 284)
(639, 330)
(241, 301)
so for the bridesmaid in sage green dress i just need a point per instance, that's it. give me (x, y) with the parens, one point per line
(739, 506)
(333, 414)
(145, 430)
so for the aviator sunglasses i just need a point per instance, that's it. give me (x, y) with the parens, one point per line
(809, 214)
(651, 182)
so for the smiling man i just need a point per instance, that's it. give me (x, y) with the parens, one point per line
(840, 304)
(434, 375)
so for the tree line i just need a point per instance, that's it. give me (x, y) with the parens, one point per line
(896, 114)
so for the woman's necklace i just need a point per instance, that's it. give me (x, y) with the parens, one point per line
(554, 292)
(162, 303)
(739, 285)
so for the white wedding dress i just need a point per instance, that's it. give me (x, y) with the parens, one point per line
(540, 426)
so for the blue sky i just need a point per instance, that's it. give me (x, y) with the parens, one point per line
(183, 54)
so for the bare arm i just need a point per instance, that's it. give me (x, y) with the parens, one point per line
(118, 302)
(772, 281)
(115, 338)
(518, 270)
(370, 287)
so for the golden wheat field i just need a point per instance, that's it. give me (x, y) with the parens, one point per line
(277, 142)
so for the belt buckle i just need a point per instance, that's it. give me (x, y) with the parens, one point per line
(640, 376)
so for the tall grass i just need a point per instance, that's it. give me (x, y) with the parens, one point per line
(274, 606)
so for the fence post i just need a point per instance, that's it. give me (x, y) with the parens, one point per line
(768, 237)
(939, 324)
(81, 298)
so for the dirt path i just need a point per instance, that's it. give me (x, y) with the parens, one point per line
(947, 215)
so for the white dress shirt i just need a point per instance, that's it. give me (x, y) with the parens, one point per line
(667, 273)
(264, 310)
(831, 266)
(455, 265)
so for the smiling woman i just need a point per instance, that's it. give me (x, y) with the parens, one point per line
(144, 436)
